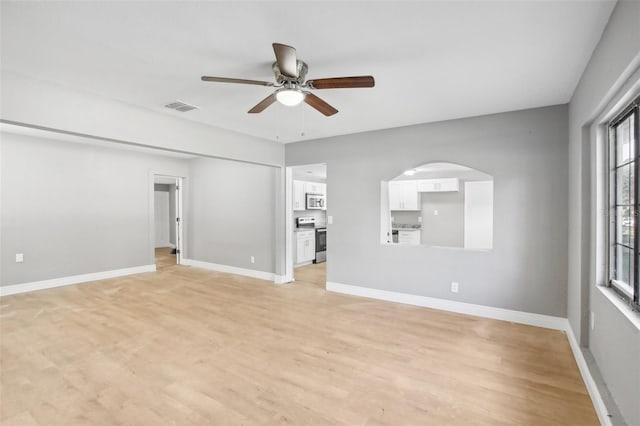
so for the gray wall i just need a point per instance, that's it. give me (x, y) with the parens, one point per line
(75, 209)
(38, 102)
(171, 189)
(447, 228)
(232, 214)
(525, 152)
(614, 343)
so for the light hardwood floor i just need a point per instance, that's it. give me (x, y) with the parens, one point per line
(164, 258)
(315, 274)
(187, 346)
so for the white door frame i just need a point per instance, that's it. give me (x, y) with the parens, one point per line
(288, 227)
(288, 213)
(180, 220)
(179, 182)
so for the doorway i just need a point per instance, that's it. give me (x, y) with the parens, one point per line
(167, 221)
(306, 227)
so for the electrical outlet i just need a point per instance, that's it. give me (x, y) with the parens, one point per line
(19, 257)
(329, 220)
(419, 219)
(435, 212)
(253, 259)
(454, 287)
(592, 320)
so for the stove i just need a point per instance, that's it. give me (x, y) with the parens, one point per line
(321, 236)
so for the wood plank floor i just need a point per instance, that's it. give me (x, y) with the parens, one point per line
(185, 346)
(164, 258)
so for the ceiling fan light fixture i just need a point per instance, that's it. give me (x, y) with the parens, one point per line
(290, 97)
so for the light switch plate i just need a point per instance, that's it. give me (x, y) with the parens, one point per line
(19, 257)
(330, 220)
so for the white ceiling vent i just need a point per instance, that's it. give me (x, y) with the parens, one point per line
(181, 106)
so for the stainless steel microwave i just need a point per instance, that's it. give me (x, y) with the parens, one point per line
(315, 201)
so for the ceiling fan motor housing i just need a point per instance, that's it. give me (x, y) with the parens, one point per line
(302, 69)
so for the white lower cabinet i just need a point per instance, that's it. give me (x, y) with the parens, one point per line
(411, 237)
(305, 246)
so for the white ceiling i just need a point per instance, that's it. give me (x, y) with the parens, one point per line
(431, 60)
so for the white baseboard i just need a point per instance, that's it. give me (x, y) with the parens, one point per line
(592, 388)
(269, 276)
(166, 245)
(281, 279)
(545, 321)
(74, 279)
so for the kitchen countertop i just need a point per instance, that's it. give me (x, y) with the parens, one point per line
(309, 229)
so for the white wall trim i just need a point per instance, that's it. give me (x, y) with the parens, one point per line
(261, 275)
(538, 320)
(74, 279)
(623, 307)
(590, 383)
(281, 279)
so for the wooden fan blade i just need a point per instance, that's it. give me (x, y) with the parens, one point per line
(286, 59)
(342, 82)
(236, 80)
(317, 103)
(263, 104)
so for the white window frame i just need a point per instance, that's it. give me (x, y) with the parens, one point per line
(631, 291)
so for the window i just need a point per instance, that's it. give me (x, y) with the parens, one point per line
(624, 235)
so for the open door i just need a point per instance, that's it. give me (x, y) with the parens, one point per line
(178, 220)
(385, 215)
(167, 220)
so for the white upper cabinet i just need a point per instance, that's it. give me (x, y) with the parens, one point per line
(299, 198)
(403, 195)
(313, 187)
(300, 190)
(438, 185)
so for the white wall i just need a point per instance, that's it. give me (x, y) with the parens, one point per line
(75, 209)
(614, 343)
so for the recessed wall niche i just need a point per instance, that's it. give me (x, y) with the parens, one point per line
(438, 205)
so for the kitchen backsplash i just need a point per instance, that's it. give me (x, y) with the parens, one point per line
(320, 215)
(405, 218)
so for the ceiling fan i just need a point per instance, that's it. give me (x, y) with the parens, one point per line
(290, 73)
